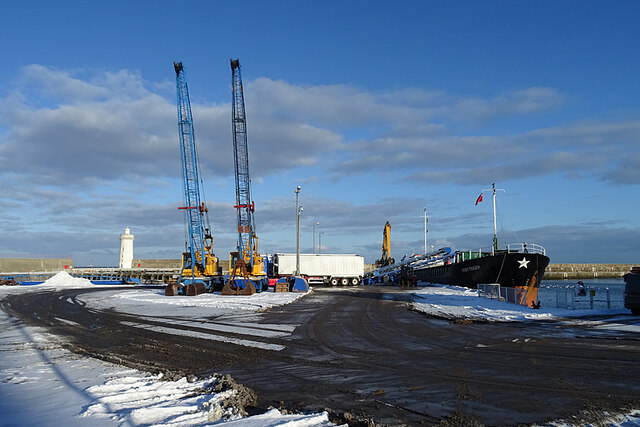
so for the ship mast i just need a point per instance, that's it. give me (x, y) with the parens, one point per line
(493, 189)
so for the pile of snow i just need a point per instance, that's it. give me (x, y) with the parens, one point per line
(454, 302)
(64, 280)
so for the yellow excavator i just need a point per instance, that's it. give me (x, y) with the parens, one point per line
(386, 248)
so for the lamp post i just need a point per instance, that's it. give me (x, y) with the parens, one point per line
(314, 235)
(320, 241)
(426, 220)
(298, 210)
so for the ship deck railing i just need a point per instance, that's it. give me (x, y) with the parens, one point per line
(524, 247)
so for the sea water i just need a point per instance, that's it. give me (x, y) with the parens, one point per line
(564, 294)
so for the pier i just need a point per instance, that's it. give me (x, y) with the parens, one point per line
(163, 271)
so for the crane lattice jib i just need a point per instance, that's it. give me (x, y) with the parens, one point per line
(190, 179)
(244, 205)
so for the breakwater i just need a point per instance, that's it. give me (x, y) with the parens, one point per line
(586, 271)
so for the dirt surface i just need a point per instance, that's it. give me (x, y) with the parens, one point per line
(364, 356)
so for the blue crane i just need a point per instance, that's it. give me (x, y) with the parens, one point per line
(245, 262)
(245, 207)
(199, 272)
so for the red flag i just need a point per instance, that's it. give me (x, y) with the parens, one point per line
(479, 199)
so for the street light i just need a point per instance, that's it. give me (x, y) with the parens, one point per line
(298, 210)
(314, 235)
(320, 241)
(426, 220)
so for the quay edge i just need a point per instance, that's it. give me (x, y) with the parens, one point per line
(586, 271)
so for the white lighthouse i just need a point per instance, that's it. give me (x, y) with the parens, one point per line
(126, 249)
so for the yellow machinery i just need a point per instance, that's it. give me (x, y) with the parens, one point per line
(247, 272)
(386, 247)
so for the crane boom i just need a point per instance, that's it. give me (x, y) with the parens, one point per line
(244, 205)
(190, 178)
(245, 265)
(198, 261)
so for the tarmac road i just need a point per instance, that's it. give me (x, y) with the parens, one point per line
(364, 355)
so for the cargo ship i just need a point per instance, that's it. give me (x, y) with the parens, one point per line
(519, 265)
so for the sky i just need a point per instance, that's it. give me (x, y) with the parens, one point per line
(375, 109)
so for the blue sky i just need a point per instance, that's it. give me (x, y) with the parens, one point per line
(376, 109)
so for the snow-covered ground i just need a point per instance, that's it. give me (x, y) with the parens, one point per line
(457, 302)
(43, 384)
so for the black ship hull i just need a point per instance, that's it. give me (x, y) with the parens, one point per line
(509, 269)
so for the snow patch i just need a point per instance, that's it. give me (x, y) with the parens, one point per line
(255, 302)
(454, 302)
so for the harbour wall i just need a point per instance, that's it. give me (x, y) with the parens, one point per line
(586, 271)
(25, 265)
(164, 266)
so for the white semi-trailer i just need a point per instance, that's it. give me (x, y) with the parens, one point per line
(334, 269)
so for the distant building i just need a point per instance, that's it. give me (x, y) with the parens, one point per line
(126, 249)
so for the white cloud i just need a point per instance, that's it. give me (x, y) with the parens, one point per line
(521, 102)
(95, 150)
(110, 125)
(602, 150)
(58, 84)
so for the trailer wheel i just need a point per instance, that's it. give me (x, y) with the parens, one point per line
(344, 281)
(333, 281)
(355, 281)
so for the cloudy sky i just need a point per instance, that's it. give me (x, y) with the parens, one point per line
(376, 109)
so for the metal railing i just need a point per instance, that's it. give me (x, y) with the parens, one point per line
(531, 248)
(572, 298)
(566, 297)
(503, 293)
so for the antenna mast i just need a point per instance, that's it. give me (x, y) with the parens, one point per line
(493, 189)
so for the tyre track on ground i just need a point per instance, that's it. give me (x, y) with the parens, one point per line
(361, 350)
